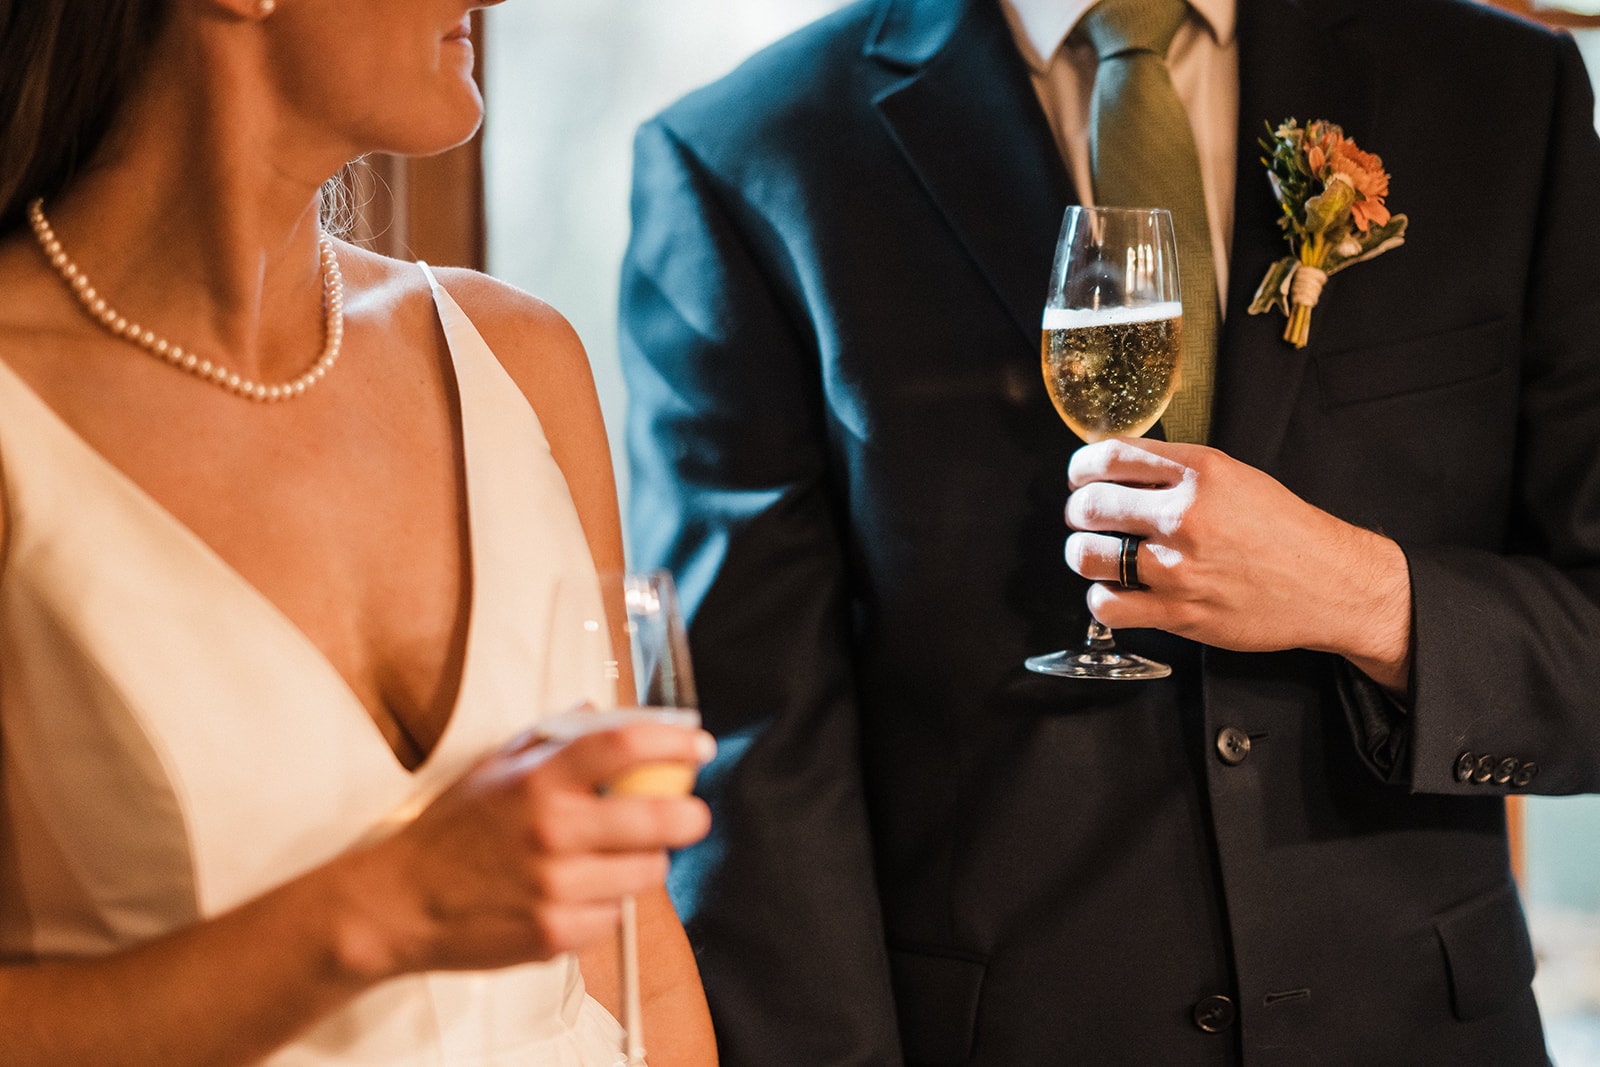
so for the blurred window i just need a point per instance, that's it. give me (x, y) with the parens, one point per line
(568, 82)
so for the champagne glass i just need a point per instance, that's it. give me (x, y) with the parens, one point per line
(1110, 349)
(663, 684)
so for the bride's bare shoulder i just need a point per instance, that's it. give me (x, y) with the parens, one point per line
(533, 341)
(527, 334)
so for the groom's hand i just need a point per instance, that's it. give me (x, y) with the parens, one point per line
(1231, 558)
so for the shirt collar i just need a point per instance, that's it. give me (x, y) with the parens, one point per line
(1046, 23)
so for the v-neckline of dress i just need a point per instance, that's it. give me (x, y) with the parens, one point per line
(270, 608)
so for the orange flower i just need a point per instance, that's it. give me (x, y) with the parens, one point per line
(1365, 172)
(1365, 213)
(1320, 137)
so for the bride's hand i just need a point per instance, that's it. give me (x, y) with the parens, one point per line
(523, 858)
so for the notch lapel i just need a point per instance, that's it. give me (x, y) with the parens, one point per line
(970, 126)
(1289, 67)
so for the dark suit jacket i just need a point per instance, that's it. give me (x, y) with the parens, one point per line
(843, 448)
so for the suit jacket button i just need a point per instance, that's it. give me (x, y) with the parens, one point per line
(1525, 774)
(1483, 770)
(1233, 745)
(1504, 771)
(1215, 1014)
(1464, 764)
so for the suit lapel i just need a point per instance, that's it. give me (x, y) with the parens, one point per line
(968, 122)
(1289, 67)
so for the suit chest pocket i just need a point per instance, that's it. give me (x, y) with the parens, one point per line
(1415, 365)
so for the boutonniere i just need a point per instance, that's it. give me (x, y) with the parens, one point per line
(1332, 197)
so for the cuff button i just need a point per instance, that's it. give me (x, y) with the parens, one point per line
(1505, 770)
(1483, 770)
(1464, 763)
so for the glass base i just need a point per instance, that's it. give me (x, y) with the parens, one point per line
(1112, 666)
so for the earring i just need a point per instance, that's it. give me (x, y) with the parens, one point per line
(265, 8)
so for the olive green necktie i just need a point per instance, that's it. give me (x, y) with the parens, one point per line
(1142, 154)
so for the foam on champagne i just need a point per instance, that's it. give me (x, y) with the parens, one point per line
(1077, 318)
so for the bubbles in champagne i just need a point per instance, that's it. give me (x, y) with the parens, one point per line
(1111, 372)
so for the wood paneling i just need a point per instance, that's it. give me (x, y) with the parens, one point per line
(1514, 823)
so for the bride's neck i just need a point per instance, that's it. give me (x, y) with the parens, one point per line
(201, 212)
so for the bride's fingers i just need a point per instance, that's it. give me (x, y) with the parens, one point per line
(1130, 461)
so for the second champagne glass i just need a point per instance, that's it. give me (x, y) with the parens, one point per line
(1111, 345)
(664, 691)
(663, 681)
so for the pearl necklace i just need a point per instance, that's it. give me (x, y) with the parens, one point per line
(120, 326)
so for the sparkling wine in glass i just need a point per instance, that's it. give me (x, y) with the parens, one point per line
(1111, 347)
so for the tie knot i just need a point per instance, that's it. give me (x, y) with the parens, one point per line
(1117, 27)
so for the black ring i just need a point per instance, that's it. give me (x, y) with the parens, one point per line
(1128, 562)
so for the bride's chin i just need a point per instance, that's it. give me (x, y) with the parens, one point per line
(440, 129)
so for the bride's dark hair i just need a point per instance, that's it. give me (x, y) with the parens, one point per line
(65, 68)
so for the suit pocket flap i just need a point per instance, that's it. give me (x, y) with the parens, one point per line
(936, 997)
(1412, 365)
(1487, 951)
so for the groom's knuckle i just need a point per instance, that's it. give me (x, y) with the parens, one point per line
(1092, 505)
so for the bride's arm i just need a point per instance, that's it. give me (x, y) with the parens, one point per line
(519, 860)
(226, 991)
(677, 1023)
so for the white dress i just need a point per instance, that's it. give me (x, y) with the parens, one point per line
(171, 745)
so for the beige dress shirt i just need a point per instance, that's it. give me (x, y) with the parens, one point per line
(1204, 60)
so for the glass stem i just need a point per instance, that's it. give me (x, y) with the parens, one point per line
(1098, 638)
